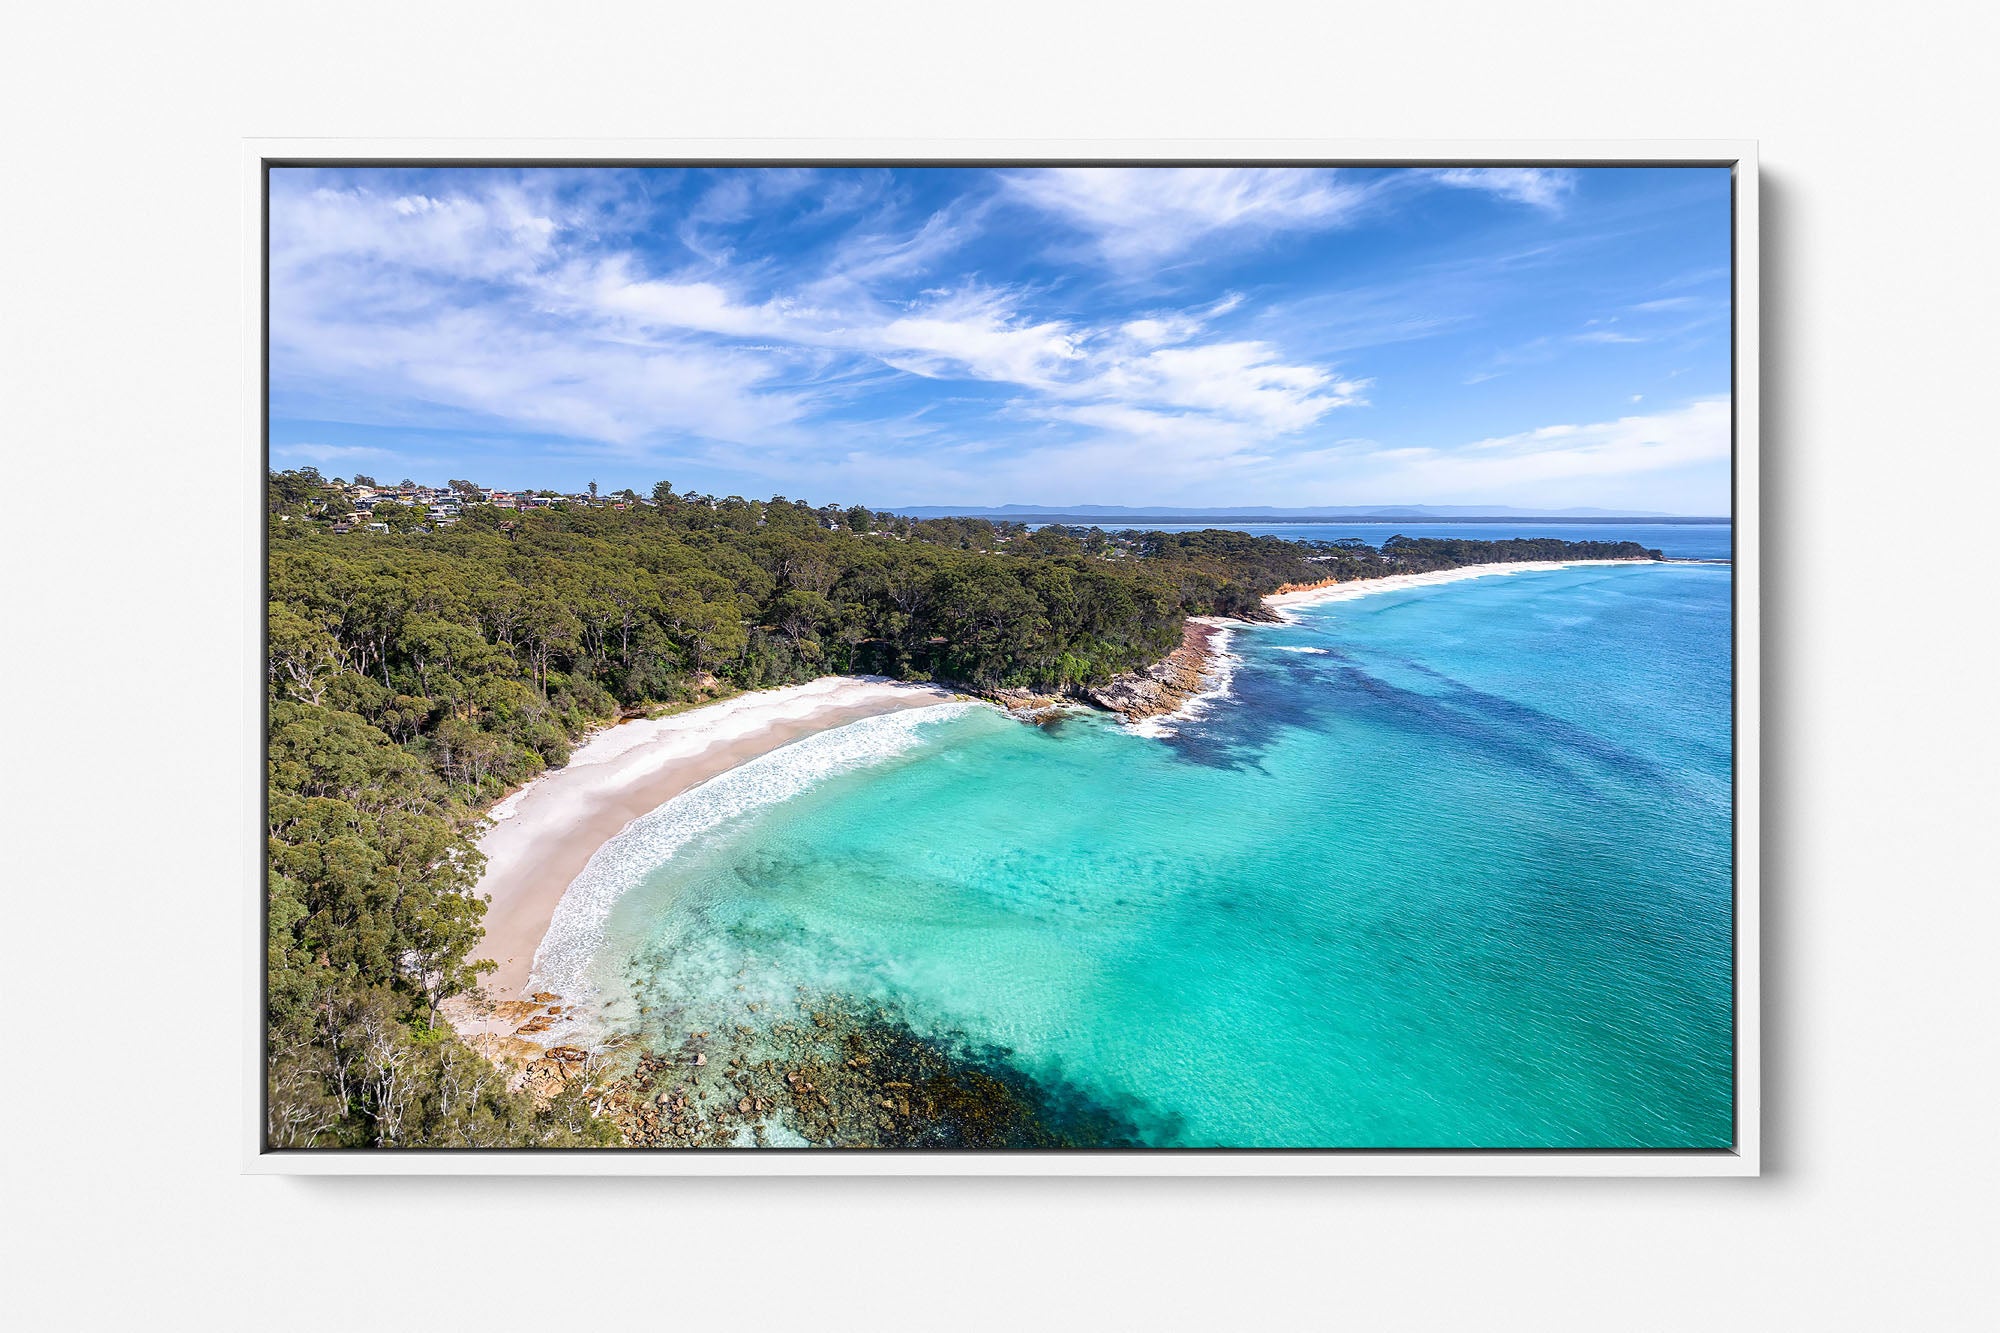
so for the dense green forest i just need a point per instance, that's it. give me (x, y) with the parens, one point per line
(415, 674)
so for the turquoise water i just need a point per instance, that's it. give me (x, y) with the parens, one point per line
(1447, 867)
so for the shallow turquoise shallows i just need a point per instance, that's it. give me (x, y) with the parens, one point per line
(1447, 867)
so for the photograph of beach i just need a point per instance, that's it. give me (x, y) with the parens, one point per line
(1148, 659)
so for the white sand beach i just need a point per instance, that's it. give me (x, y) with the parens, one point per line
(545, 833)
(1346, 592)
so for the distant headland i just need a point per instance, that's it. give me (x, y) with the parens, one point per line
(1128, 515)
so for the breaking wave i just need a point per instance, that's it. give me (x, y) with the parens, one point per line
(576, 931)
(1218, 675)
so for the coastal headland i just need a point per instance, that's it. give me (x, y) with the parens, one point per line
(1171, 684)
(544, 834)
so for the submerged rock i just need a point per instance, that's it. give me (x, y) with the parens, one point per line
(861, 1076)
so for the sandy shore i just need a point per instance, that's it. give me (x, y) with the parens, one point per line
(544, 833)
(1343, 592)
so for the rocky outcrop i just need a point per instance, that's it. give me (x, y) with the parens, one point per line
(851, 1075)
(1029, 704)
(1167, 685)
(495, 1029)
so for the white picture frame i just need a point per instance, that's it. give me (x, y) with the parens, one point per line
(1741, 1159)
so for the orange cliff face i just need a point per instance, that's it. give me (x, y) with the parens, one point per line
(1304, 587)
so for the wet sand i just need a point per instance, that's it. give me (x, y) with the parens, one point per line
(544, 834)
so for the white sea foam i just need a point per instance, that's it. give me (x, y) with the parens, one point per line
(1218, 674)
(1298, 648)
(576, 931)
(645, 745)
(1221, 669)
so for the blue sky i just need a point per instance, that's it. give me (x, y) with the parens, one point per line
(1150, 335)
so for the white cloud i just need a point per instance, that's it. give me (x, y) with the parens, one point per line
(514, 309)
(872, 256)
(1154, 363)
(1674, 461)
(496, 234)
(976, 334)
(1153, 331)
(1242, 382)
(611, 289)
(1162, 327)
(470, 301)
(1136, 214)
(331, 453)
(1604, 463)
(1541, 187)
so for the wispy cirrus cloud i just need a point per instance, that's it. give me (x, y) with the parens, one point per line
(332, 453)
(1540, 187)
(1139, 214)
(1676, 459)
(505, 305)
(1695, 433)
(928, 336)
(1667, 303)
(1571, 459)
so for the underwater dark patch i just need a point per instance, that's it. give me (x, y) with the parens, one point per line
(846, 1073)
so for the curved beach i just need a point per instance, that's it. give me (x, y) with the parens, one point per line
(1352, 588)
(544, 834)
(1250, 936)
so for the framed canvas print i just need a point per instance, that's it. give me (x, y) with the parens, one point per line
(995, 658)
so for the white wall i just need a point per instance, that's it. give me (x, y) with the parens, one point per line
(122, 321)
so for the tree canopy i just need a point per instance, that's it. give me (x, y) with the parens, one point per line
(415, 675)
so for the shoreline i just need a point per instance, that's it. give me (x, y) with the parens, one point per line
(1179, 685)
(1281, 602)
(1183, 684)
(543, 834)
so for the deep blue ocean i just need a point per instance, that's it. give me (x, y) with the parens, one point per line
(1444, 867)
